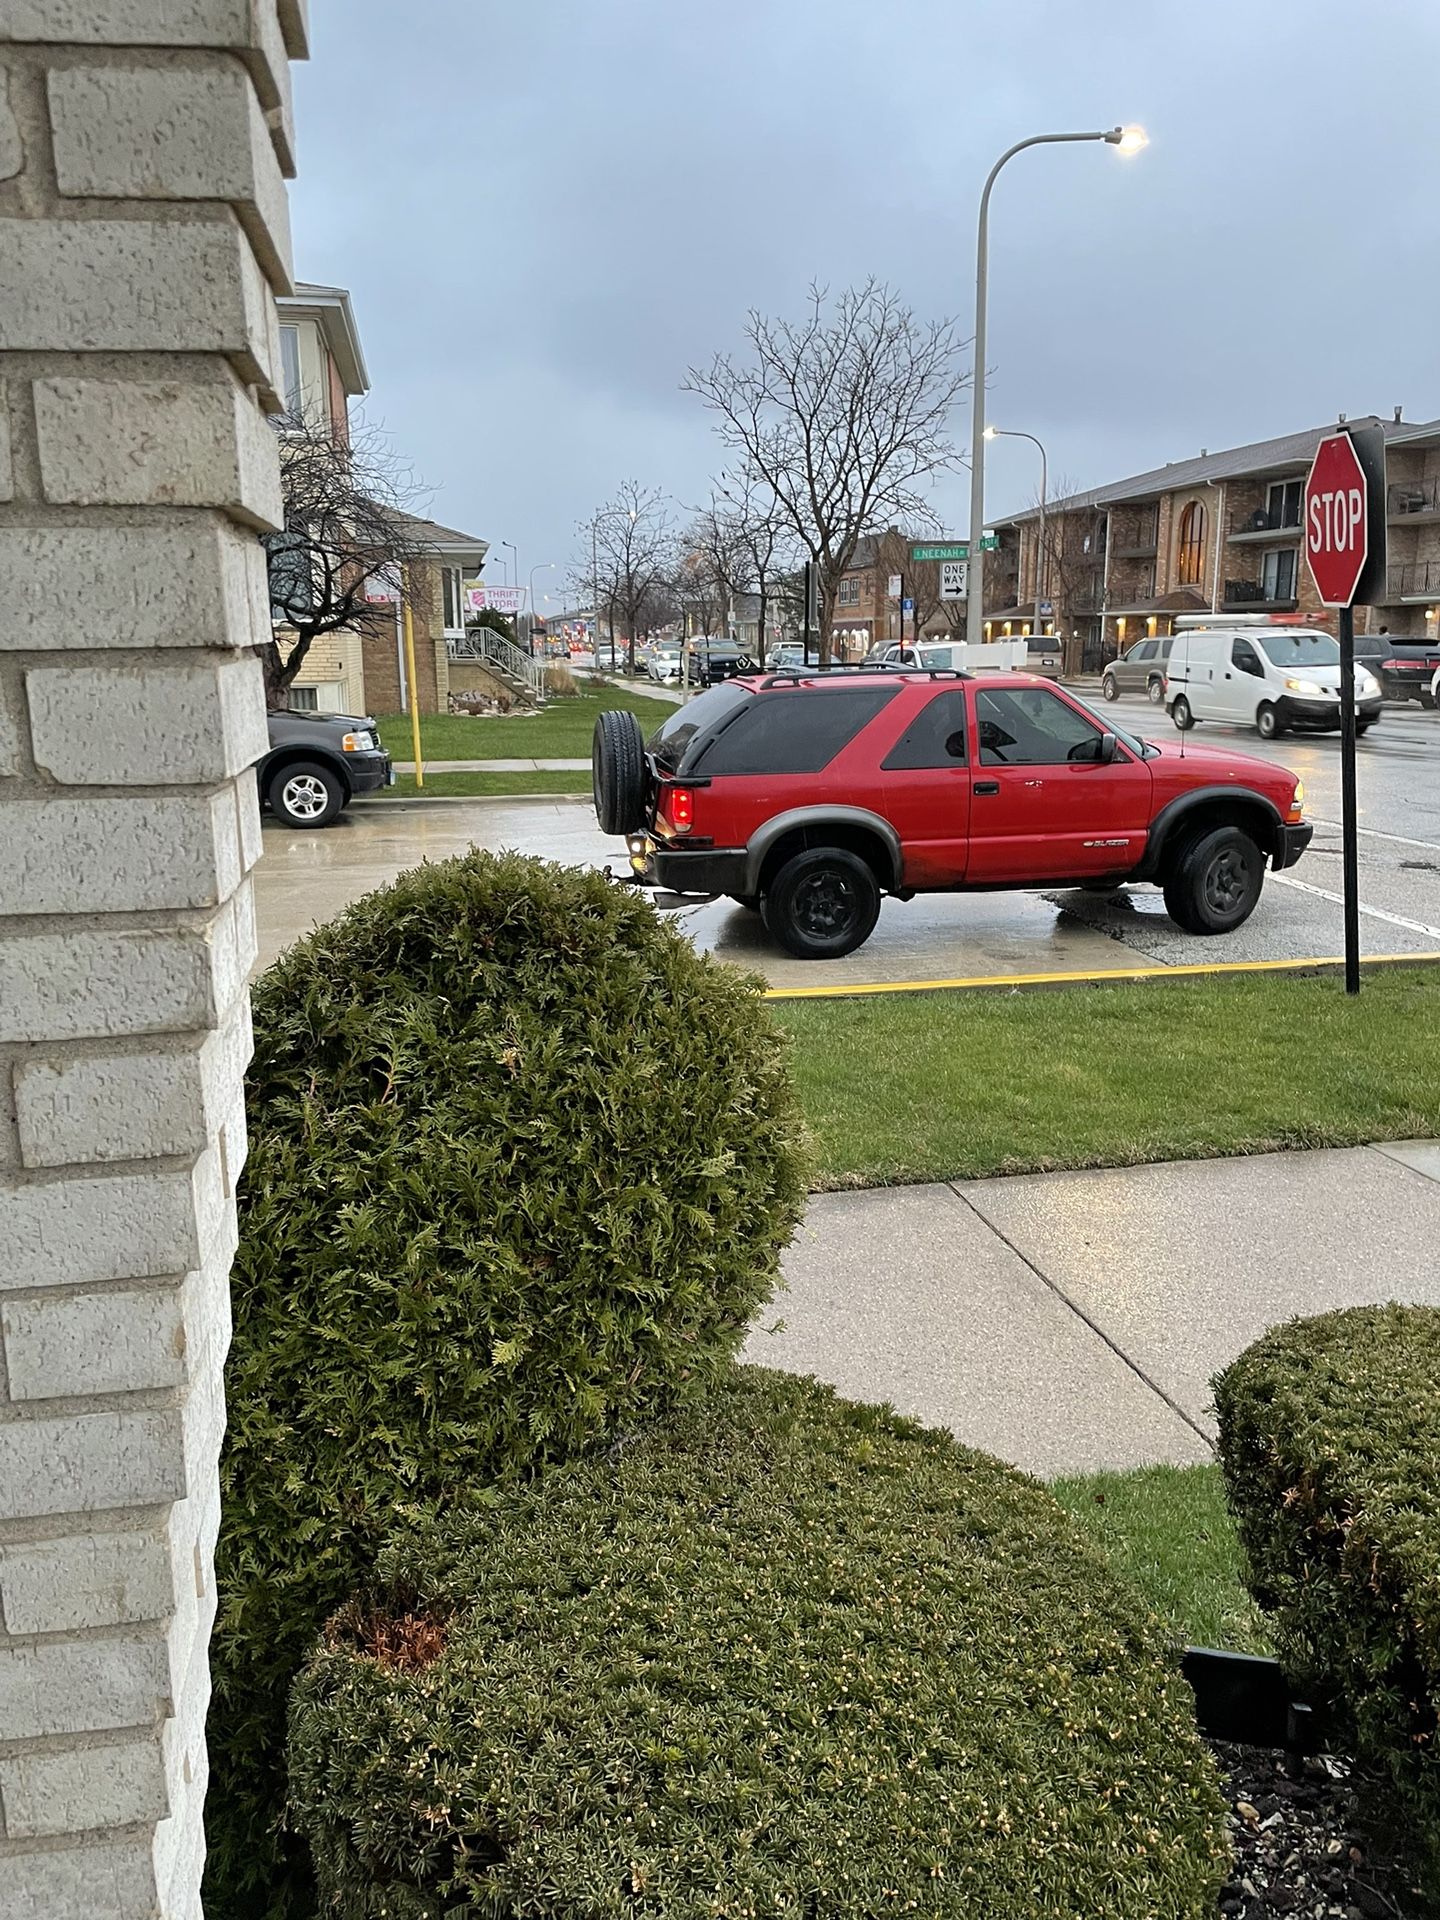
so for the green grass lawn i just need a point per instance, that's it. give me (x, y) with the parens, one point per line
(1168, 1532)
(935, 1086)
(560, 731)
(488, 786)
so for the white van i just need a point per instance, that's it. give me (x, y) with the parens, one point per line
(1262, 674)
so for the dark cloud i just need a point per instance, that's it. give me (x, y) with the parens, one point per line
(547, 210)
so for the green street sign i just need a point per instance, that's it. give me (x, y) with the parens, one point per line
(956, 549)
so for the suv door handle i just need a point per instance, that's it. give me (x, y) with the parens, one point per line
(986, 786)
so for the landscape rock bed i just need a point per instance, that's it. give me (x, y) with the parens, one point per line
(1303, 1849)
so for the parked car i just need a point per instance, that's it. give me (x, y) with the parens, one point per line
(1140, 670)
(1405, 668)
(812, 798)
(317, 763)
(1263, 676)
(929, 653)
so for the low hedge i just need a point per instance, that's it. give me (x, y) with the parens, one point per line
(783, 1655)
(522, 1165)
(1330, 1438)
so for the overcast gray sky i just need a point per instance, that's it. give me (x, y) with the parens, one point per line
(546, 209)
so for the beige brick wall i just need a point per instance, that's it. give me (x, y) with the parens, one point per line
(337, 659)
(143, 231)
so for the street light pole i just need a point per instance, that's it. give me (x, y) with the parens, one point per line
(1015, 433)
(1128, 140)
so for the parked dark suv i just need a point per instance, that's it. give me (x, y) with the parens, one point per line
(1140, 670)
(810, 796)
(1404, 666)
(317, 763)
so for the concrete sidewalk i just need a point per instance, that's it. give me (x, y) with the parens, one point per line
(497, 766)
(1072, 1321)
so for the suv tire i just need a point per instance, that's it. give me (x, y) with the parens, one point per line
(305, 794)
(822, 904)
(1214, 881)
(1155, 688)
(1109, 686)
(617, 772)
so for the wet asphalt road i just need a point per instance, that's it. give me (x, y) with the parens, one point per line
(304, 878)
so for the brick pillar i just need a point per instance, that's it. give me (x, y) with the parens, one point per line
(143, 231)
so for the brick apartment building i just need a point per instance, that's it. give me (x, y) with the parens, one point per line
(1218, 533)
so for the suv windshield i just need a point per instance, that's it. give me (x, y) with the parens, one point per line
(706, 711)
(1299, 649)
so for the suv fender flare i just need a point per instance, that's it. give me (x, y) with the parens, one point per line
(278, 758)
(1171, 820)
(816, 817)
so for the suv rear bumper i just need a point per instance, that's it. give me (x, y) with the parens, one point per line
(1293, 842)
(703, 870)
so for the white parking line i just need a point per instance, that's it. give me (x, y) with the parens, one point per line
(1374, 833)
(1375, 913)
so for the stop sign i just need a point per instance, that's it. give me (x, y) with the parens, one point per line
(1336, 520)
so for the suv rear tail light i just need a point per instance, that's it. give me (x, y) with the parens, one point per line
(680, 808)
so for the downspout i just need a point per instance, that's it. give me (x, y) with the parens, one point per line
(1219, 536)
(1105, 584)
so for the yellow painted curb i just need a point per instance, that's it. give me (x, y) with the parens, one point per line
(1002, 982)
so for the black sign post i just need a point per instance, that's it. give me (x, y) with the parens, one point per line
(1345, 546)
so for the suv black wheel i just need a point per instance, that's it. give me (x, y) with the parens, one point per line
(1109, 686)
(617, 772)
(1156, 690)
(822, 904)
(305, 794)
(1215, 881)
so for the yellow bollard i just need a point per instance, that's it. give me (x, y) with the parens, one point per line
(414, 702)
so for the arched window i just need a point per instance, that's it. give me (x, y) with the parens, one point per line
(1190, 553)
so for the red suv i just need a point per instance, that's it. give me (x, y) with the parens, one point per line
(809, 797)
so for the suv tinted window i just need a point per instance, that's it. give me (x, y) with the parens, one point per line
(1145, 651)
(935, 737)
(1031, 728)
(702, 714)
(797, 731)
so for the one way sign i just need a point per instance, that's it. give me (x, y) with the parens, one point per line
(954, 579)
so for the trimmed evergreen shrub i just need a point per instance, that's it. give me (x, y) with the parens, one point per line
(522, 1164)
(781, 1655)
(1330, 1437)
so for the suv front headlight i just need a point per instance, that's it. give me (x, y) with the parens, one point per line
(361, 742)
(1304, 686)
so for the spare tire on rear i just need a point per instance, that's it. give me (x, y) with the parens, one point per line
(617, 772)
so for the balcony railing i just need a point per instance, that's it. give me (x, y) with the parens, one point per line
(1413, 580)
(1138, 539)
(1256, 522)
(1407, 498)
(1255, 593)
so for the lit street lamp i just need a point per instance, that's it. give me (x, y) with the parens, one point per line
(1015, 433)
(1128, 140)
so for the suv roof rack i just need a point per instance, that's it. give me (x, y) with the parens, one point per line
(789, 676)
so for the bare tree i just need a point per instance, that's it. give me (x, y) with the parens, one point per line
(345, 526)
(842, 417)
(760, 542)
(633, 550)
